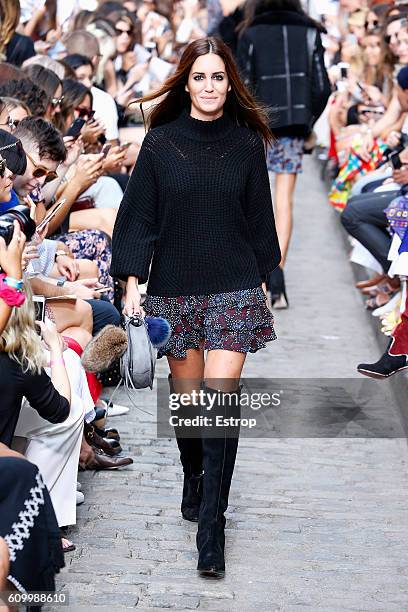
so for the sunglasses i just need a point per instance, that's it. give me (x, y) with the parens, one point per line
(119, 32)
(11, 123)
(57, 101)
(40, 171)
(85, 112)
(373, 23)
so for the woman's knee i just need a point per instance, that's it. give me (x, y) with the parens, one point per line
(88, 268)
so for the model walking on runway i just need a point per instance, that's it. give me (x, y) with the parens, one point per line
(198, 213)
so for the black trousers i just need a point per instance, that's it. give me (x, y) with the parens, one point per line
(364, 219)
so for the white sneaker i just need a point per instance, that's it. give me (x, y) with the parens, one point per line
(116, 410)
(79, 486)
(112, 409)
(80, 498)
(382, 310)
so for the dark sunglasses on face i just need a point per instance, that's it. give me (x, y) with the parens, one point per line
(11, 123)
(85, 112)
(40, 171)
(57, 101)
(371, 24)
(119, 32)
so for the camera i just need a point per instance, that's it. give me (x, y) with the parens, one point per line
(392, 155)
(21, 214)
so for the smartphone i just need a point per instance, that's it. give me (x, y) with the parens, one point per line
(39, 308)
(125, 145)
(150, 47)
(395, 161)
(75, 128)
(344, 66)
(106, 149)
(52, 214)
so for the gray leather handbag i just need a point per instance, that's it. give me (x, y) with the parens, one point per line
(138, 363)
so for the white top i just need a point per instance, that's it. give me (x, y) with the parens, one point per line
(28, 8)
(105, 110)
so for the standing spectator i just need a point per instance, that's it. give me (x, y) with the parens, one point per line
(281, 56)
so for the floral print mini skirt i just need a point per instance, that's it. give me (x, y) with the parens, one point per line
(235, 321)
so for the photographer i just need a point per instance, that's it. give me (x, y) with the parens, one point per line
(12, 161)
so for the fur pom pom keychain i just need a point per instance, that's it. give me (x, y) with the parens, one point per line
(159, 330)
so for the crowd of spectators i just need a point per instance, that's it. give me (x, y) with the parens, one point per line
(364, 129)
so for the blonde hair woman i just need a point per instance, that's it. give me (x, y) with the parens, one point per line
(22, 374)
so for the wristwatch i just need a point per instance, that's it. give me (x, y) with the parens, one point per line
(60, 252)
(61, 282)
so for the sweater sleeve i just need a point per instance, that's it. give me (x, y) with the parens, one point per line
(135, 230)
(259, 212)
(43, 397)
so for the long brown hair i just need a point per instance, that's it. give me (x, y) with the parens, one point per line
(240, 104)
(9, 19)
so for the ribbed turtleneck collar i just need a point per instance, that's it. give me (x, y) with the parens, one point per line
(198, 129)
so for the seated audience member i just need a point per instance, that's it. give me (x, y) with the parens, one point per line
(22, 371)
(84, 43)
(51, 86)
(12, 111)
(364, 217)
(106, 192)
(26, 91)
(29, 562)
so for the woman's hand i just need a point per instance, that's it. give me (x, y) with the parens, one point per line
(88, 170)
(114, 160)
(11, 256)
(132, 299)
(52, 339)
(67, 267)
(29, 254)
(91, 131)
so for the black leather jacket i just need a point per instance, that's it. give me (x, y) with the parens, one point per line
(281, 58)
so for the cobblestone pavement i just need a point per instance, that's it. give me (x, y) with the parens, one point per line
(314, 524)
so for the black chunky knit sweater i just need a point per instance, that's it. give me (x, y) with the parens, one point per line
(199, 202)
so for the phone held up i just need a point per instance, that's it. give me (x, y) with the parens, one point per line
(75, 128)
(39, 308)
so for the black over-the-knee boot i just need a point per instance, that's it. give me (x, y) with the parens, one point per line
(191, 458)
(219, 453)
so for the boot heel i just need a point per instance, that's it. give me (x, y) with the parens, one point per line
(211, 561)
